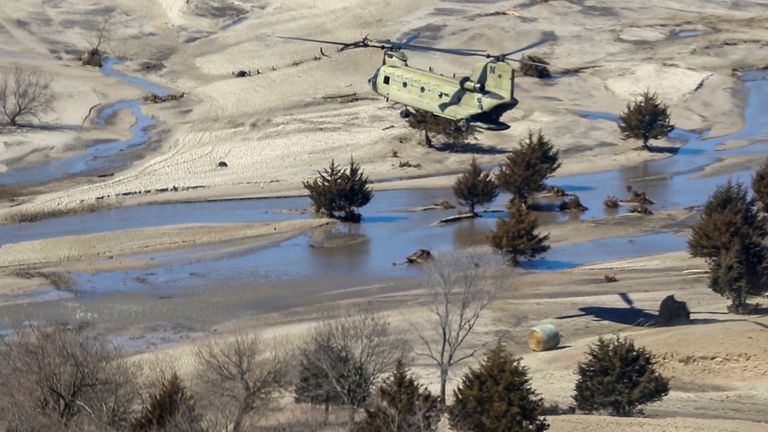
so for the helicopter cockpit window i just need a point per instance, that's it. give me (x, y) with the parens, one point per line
(386, 79)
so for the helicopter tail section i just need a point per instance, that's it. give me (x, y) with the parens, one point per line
(497, 77)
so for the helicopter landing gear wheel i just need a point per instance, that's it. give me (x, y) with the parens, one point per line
(404, 113)
(463, 125)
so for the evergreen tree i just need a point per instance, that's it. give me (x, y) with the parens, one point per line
(339, 192)
(645, 119)
(619, 377)
(403, 405)
(527, 166)
(516, 236)
(497, 396)
(429, 123)
(475, 187)
(314, 385)
(535, 67)
(730, 237)
(170, 409)
(760, 185)
(355, 192)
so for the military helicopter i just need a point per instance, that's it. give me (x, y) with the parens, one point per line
(479, 99)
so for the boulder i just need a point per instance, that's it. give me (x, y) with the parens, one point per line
(672, 311)
(418, 257)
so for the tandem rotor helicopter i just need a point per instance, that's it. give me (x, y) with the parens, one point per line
(479, 99)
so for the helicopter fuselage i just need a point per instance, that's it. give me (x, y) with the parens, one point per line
(479, 99)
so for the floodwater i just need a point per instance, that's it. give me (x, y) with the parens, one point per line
(98, 156)
(389, 232)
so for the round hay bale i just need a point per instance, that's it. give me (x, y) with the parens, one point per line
(543, 337)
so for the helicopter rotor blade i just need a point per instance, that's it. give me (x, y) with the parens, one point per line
(410, 38)
(529, 46)
(454, 51)
(344, 45)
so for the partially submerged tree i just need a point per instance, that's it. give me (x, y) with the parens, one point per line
(402, 405)
(172, 408)
(534, 66)
(350, 354)
(523, 172)
(618, 377)
(516, 236)
(760, 185)
(243, 374)
(56, 378)
(730, 237)
(339, 192)
(460, 288)
(498, 396)
(24, 94)
(475, 187)
(645, 119)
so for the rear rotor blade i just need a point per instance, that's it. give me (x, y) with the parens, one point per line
(408, 39)
(527, 47)
(453, 51)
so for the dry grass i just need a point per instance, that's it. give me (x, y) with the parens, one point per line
(29, 216)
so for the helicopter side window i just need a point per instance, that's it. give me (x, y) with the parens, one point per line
(422, 89)
(405, 84)
(386, 79)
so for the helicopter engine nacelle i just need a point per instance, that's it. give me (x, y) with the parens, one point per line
(473, 86)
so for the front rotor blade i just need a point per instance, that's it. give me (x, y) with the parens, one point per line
(527, 47)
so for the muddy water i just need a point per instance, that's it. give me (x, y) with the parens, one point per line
(389, 233)
(98, 157)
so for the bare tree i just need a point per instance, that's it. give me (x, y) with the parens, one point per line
(460, 287)
(56, 378)
(95, 55)
(24, 93)
(242, 372)
(353, 352)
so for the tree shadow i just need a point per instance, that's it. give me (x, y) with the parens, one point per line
(49, 127)
(470, 148)
(662, 149)
(636, 317)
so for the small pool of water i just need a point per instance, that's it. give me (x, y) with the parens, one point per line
(98, 156)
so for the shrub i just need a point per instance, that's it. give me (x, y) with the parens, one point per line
(527, 166)
(516, 236)
(339, 192)
(619, 377)
(534, 66)
(498, 396)
(172, 408)
(645, 119)
(730, 237)
(641, 209)
(475, 187)
(760, 185)
(403, 405)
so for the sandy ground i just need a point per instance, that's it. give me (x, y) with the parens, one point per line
(277, 128)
